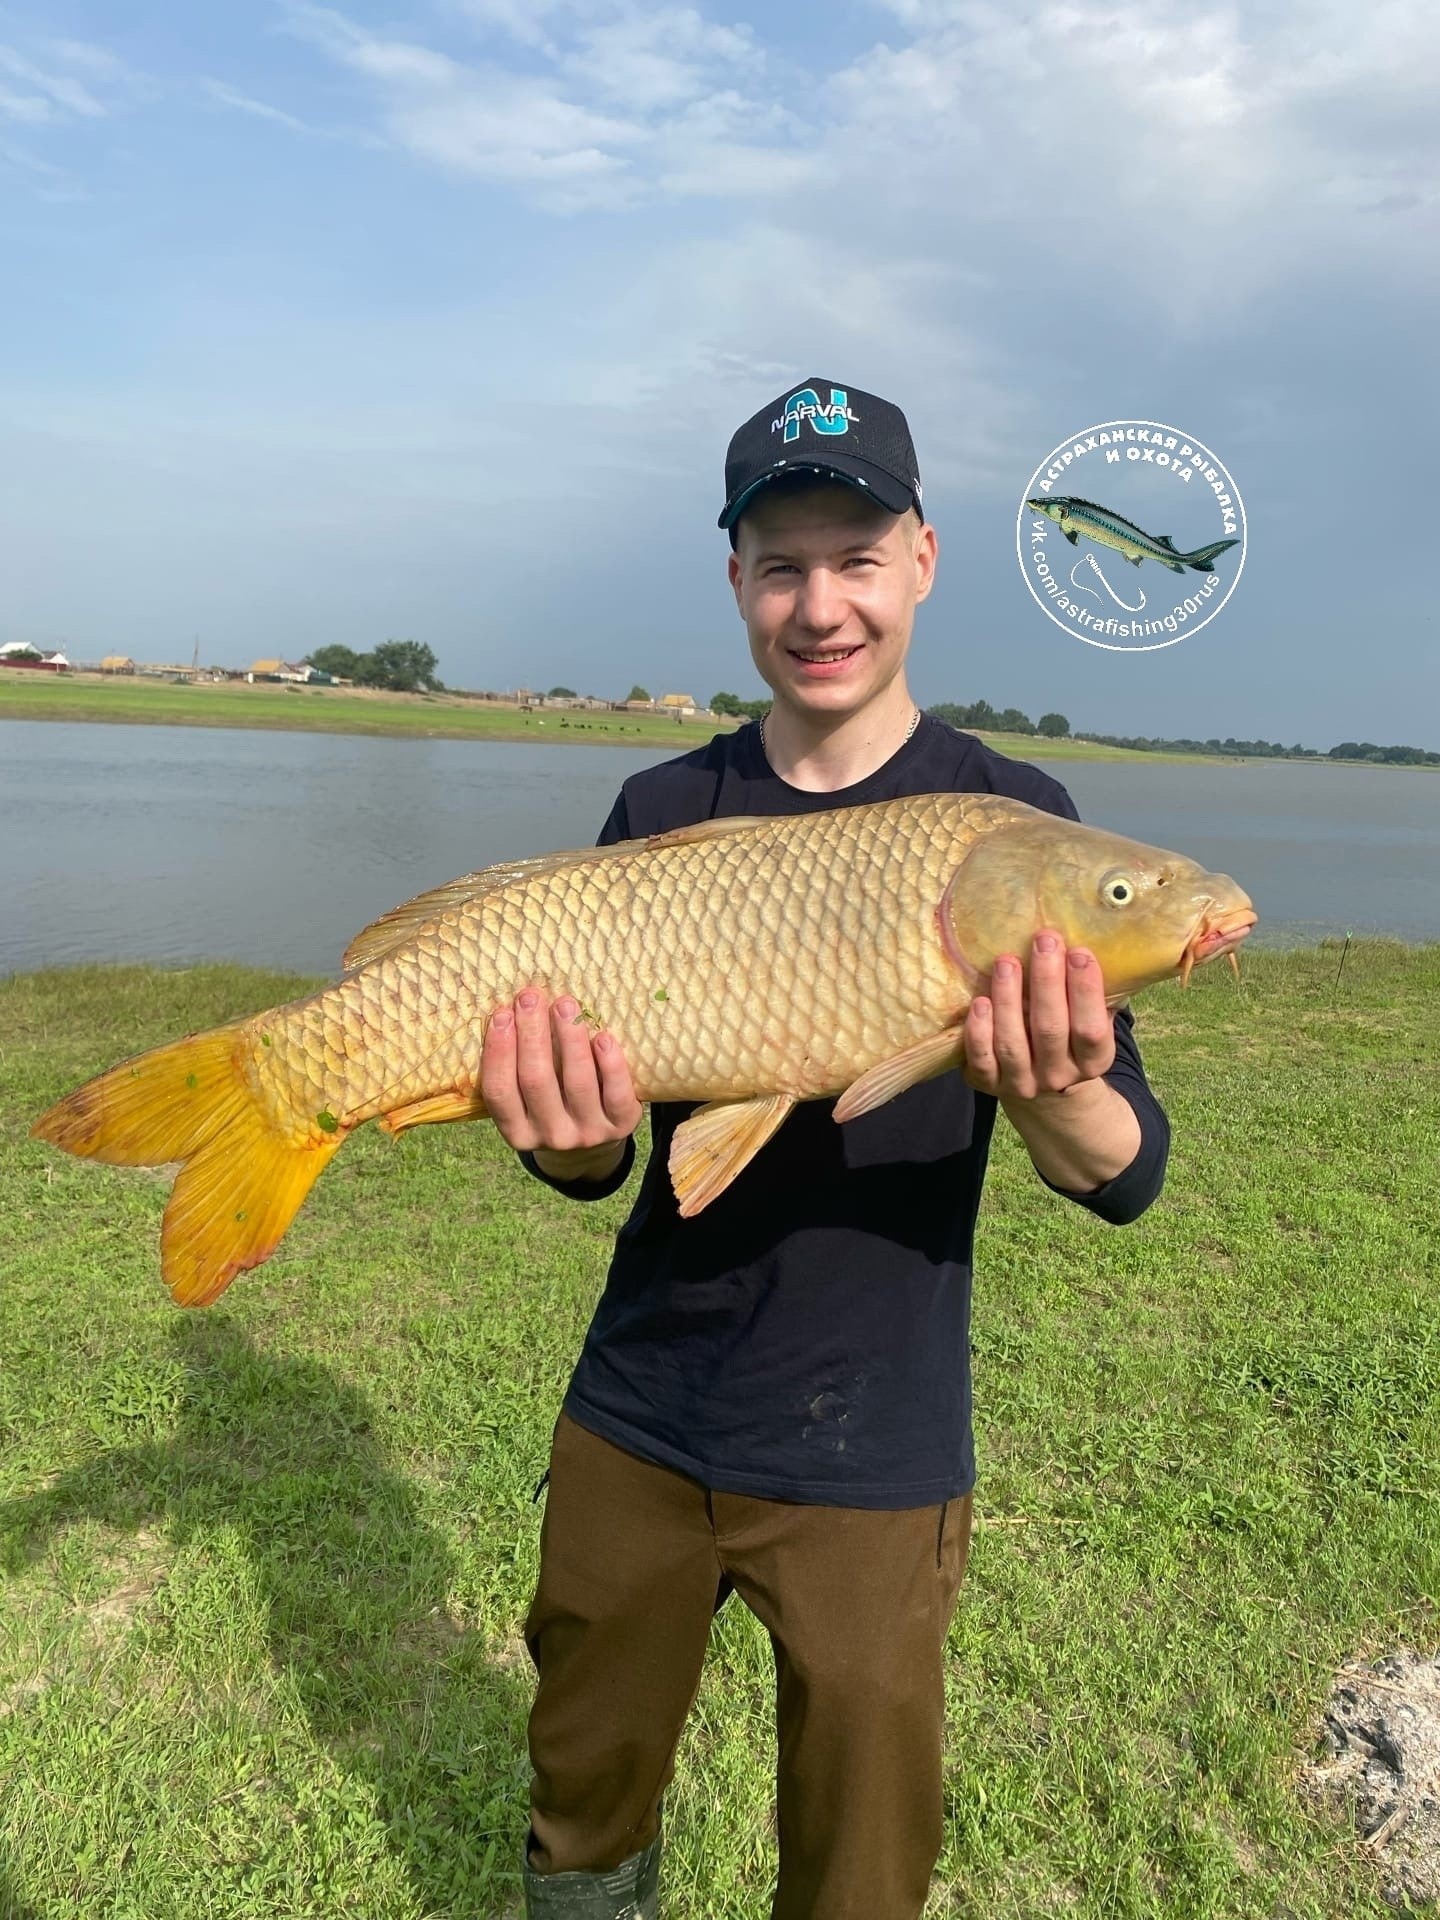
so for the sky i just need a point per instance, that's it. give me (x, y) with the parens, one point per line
(432, 318)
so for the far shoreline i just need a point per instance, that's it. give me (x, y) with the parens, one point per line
(369, 713)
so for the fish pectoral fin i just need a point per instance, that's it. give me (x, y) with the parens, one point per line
(463, 1103)
(718, 1142)
(1071, 535)
(924, 1061)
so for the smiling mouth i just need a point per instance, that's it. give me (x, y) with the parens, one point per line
(823, 659)
(1214, 936)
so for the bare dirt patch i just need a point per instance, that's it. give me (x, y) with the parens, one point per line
(1380, 1765)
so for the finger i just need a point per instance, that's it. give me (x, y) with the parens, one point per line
(1049, 1013)
(1092, 1025)
(535, 1070)
(499, 1087)
(617, 1088)
(579, 1080)
(981, 1069)
(1012, 1042)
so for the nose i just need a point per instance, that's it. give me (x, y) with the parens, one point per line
(820, 605)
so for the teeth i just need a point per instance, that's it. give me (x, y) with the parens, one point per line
(838, 653)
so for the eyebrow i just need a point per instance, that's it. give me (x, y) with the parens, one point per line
(857, 546)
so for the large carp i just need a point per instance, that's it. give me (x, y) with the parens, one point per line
(744, 963)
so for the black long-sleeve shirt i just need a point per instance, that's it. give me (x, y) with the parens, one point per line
(806, 1337)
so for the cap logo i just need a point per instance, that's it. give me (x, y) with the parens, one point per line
(806, 407)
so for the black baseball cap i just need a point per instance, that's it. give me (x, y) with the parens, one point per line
(819, 427)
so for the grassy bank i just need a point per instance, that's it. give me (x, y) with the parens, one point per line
(36, 696)
(264, 1566)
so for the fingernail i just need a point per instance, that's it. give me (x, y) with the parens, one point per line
(981, 1006)
(566, 1008)
(529, 1000)
(1078, 960)
(1006, 969)
(503, 1019)
(602, 1043)
(1045, 943)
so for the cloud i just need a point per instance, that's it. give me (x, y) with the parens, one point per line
(242, 103)
(51, 94)
(627, 104)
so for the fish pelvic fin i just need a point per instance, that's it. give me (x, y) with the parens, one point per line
(242, 1177)
(1202, 557)
(718, 1142)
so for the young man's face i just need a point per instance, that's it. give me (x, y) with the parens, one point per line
(827, 583)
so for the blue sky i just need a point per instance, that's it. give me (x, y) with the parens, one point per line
(432, 318)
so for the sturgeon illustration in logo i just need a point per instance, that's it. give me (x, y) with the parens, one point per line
(1151, 472)
(1074, 517)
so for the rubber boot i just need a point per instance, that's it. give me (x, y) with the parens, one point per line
(630, 1891)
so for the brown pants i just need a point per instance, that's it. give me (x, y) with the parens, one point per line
(635, 1560)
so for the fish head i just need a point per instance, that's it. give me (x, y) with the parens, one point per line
(1052, 509)
(1145, 914)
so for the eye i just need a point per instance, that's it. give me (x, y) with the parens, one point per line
(1117, 889)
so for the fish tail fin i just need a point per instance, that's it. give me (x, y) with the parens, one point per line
(1202, 557)
(242, 1177)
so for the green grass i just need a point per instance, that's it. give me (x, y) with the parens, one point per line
(265, 1565)
(37, 696)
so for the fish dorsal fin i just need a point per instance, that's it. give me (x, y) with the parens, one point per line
(718, 1142)
(1164, 540)
(706, 830)
(402, 923)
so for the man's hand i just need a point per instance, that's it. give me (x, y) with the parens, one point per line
(556, 1089)
(1045, 1063)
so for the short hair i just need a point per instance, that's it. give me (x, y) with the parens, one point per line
(800, 482)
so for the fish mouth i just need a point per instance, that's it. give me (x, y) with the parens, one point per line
(1216, 933)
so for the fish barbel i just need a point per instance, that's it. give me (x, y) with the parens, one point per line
(744, 963)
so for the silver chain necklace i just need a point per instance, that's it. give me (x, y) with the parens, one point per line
(914, 722)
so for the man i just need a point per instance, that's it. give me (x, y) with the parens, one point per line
(774, 1396)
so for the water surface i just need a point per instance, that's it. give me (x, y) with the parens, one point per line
(178, 843)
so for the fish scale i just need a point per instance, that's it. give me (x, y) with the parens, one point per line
(740, 964)
(782, 994)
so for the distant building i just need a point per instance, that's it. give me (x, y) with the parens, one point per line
(682, 704)
(20, 653)
(117, 663)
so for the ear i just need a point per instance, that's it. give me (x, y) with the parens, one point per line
(927, 552)
(734, 570)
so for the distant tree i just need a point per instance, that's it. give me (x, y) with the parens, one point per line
(1054, 726)
(401, 666)
(343, 662)
(980, 713)
(1012, 720)
(637, 693)
(562, 693)
(725, 704)
(754, 709)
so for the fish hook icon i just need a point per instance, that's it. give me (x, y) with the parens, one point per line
(1091, 562)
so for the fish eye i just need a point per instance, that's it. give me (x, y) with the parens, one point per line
(1117, 889)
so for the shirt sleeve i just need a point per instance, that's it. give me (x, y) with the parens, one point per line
(616, 827)
(587, 1189)
(1126, 1197)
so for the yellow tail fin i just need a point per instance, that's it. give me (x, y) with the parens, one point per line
(242, 1179)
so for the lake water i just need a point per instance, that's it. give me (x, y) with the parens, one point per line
(177, 843)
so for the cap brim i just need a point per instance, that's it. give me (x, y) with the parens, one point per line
(863, 475)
